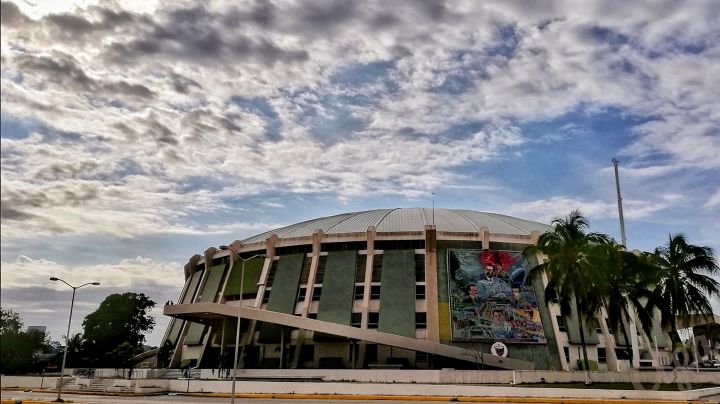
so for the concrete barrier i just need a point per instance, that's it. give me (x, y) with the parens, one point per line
(29, 382)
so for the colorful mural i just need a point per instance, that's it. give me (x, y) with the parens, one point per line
(489, 300)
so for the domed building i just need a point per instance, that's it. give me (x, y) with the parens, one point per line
(411, 287)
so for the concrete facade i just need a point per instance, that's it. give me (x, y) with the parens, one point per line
(304, 278)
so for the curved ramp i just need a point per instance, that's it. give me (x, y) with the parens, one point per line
(200, 312)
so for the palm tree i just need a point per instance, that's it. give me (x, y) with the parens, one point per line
(684, 281)
(626, 284)
(572, 279)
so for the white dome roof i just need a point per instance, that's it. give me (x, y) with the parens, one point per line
(407, 220)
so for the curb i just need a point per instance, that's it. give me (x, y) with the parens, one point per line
(365, 397)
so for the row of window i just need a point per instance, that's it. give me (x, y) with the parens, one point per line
(601, 354)
(374, 320)
(317, 291)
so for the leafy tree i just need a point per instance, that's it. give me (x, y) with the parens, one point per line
(572, 279)
(625, 285)
(10, 322)
(684, 279)
(116, 329)
(19, 350)
(76, 356)
(164, 354)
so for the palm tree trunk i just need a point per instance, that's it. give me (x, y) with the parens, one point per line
(674, 341)
(582, 343)
(627, 342)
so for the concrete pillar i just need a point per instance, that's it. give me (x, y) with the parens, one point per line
(485, 237)
(191, 266)
(366, 290)
(317, 238)
(431, 284)
(270, 251)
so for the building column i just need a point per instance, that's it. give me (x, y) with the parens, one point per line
(431, 284)
(317, 238)
(370, 248)
(485, 237)
(270, 250)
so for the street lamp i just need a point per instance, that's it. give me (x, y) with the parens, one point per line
(67, 337)
(237, 331)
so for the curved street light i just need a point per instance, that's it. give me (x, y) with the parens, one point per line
(67, 337)
(237, 331)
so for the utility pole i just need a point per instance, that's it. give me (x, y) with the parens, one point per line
(619, 201)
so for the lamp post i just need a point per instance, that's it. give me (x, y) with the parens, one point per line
(67, 336)
(237, 331)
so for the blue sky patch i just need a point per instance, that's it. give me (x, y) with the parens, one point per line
(264, 110)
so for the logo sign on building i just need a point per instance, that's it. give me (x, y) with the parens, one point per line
(489, 298)
(499, 349)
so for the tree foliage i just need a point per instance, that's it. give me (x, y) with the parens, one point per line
(116, 330)
(587, 271)
(19, 350)
(569, 248)
(684, 281)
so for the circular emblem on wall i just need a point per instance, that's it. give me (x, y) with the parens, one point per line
(499, 349)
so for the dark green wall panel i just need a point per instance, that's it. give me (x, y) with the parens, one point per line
(195, 334)
(212, 285)
(286, 283)
(338, 291)
(253, 269)
(397, 293)
(283, 294)
(192, 287)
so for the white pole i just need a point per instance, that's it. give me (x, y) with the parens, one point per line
(67, 343)
(619, 199)
(67, 335)
(237, 331)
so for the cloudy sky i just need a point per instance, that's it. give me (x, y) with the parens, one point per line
(138, 133)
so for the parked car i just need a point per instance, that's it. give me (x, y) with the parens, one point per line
(710, 363)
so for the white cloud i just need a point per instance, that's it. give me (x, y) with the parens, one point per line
(713, 201)
(545, 210)
(350, 101)
(129, 273)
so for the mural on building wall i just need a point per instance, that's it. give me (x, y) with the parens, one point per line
(489, 300)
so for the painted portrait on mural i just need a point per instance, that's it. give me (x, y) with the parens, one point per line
(489, 298)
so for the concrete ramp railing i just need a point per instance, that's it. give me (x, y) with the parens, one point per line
(204, 312)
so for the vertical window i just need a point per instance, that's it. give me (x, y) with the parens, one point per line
(356, 320)
(266, 296)
(561, 324)
(359, 292)
(373, 320)
(596, 323)
(602, 356)
(420, 320)
(271, 274)
(360, 268)
(566, 351)
(305, 270)
(420, 292)
(377, 267)
(375, 292)
(316, 293)
(419, 267)
(321, 269)
(301, 294)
